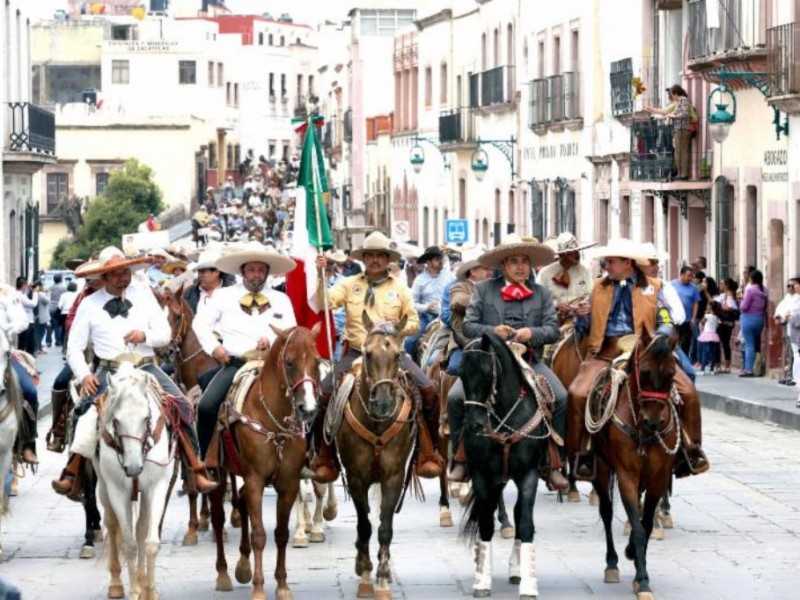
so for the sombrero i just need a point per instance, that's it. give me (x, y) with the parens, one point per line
(207, 260)
(169, 268)
(624, 248)
(470, 260)
(255, 252)
(513, 245)
(566, 242)
(74, 263)
(376, 242)
(430, 252)
(337, 256)
(111, 259)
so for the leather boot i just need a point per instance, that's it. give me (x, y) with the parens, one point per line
(57, 436)
(429, 463)
(69, 476)
(28, 437)
(692, 459)
(556, 478)
(324, 462)
(203, 483)
(459, 472)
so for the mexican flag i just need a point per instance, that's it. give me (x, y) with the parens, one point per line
(312, 232)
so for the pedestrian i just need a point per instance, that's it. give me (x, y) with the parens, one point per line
(42, 317)
(65, 303)
(690, 298)
(709, 339)
(728, 317)
(58, 288)
(781, 317)
(680, 112)
(753, 311)
(26, 340)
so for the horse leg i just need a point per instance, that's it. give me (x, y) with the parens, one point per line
(243, 572)
(507, 531)
(636, 549)
(523, 512)
(445, 516)
(484, 503)
(190, 538)
(665, 514)
(253, 492)
(359, 491)
(286, 497)
(300, 539)
(202, 523)
(601, 486)
(216, 499)
(331, 507)
(115, 587)
(140, 535)
(236, 517)
(316, 523)
(94, 532)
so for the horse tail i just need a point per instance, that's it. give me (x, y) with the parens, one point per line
(469, 522)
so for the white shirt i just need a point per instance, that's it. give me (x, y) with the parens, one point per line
(674, 303)
(94, 324)
(239, 330)
(66, 301)
(710, 323)
(13, 319)
(28, 304)
(580, 282)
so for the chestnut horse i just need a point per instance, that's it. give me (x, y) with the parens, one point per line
(636, 438)
(375, 442)
(270, 436)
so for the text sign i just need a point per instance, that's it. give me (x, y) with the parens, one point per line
(456, 231)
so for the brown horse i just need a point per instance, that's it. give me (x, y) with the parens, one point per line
(636, 439)
(443, 383)
(375, 441)
(270, 436)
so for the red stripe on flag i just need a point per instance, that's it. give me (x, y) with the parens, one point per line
(306, 317)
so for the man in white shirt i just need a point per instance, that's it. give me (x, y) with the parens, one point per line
(241, 316)
(116, 319)
(569, 281)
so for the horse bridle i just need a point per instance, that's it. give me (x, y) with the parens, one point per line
(290, 389)
(491, 399)
(648, 395)
(385, 329)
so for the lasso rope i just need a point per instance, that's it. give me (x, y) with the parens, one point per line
(617, 379)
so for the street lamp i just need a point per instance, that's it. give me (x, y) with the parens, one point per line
(479, 163)
(417, 154)
(480, 160)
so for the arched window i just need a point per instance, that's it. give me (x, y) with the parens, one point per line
(271, 40)
(261, 38)
(512, 211)
(283, 41)
(724, 228)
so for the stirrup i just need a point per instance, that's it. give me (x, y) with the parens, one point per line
(585, 466)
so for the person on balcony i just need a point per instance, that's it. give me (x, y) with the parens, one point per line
(680, 111)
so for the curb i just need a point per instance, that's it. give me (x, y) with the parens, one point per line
(748, 409)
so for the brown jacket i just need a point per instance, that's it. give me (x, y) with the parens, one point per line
(460, 297)
(645, 308)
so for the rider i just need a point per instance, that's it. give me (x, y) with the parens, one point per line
(242, 316)
(517, 309)
(14, 320)
(116, 319)
(568, 280)
(625, 302)
(384, 298)
(426, 293)
(209, 280)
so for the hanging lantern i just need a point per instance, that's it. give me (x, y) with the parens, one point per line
(98, 8)
(138, 13)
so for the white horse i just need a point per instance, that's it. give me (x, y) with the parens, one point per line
(308, 527)
(133, 469)
(10, 414)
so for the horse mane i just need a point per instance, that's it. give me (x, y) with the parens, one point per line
(508, 362)
(659, 347)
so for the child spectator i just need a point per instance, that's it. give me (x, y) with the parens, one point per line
(709, 338)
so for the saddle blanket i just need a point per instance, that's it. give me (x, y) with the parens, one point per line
(242, 382)
(84, 442)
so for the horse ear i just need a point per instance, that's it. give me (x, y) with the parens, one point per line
(366, 321)
(673, 339)
(316, 329)
(486, 341)
(278, 331)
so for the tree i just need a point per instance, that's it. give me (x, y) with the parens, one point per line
(130, 197)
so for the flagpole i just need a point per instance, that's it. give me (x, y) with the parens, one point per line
(325, 302)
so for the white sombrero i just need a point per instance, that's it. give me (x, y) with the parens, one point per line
(376, 242)
(471, 259)
(566, 242)
(255, 252)
(650, 252)
(207, 259)
(514, 245)
(624, 248)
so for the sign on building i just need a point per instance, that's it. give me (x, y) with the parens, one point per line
(400, 231)
(456, 231)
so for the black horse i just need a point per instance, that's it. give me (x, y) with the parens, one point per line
(505, 439)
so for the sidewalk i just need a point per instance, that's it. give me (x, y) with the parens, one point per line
(49, 365)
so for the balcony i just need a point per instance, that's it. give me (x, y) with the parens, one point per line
(783, 45)
(301, 107)
(456, 128)
(31, 135)
(737, 40)
(555, 103)
(652, 155)
(622, 101)
(493, 89)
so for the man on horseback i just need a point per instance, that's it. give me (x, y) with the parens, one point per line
(383, 298)
(568, 281)
(209, 280)
(117, 319)
(242, 316)
(517, 309)
(426, 293)
(625, 302)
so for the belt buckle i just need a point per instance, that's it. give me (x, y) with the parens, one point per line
(133, 358)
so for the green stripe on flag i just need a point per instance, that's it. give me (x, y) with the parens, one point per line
(312, 177)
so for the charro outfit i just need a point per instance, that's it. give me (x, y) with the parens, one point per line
(426, 288)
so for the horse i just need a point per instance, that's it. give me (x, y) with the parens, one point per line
(190, 361)
(10, 419)
(375, 440)
(636, 439)
(269, 433)
(505, 438)
(133, 467)
(311, 527)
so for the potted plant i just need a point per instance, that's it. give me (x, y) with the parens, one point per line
(705, 168)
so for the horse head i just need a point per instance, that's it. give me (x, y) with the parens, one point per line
(298, 368)
(128, 417)
(178, 313)
(654, 366)
(382, 352)
(478, 373)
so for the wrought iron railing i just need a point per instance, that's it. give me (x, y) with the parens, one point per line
(554, 98)
(456, 125)
(783, 44)
(621, 88)
(538, 103)
(347, 134)
(572, 95)
(497, 86)
(30, 128)
(652, 153)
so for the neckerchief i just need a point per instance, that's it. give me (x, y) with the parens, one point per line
(515, 292)
(254, 303)
(369, 298)
(118, 307)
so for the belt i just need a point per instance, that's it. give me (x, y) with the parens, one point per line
(114, 365)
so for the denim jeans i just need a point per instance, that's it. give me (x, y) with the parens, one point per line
(708, 354)
(751, 331)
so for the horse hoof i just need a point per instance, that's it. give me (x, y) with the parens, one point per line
(481, 593)
(454, 489)
(594, 499)
(300, 542)
(202, 524)
(445, 517)
(283, 594)
(116, 591)
(236, 519)
(383, 594)
(329, 513)
(243, 572)
(611, 576)
(365, 590)
(635, 587)
(507, 532)
(87, 552)
(645, 596)
(666, 521)
(658, 531)
(224, 583)
(317, 536)
(574, 496)
(190, 539)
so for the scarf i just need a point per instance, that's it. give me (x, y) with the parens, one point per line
(254, 303)
(515, 292)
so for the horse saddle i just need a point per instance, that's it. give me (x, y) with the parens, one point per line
(535, 381)
(625, 346)
(244, 379)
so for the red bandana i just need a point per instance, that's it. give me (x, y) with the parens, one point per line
(561, 278)
(514, 292)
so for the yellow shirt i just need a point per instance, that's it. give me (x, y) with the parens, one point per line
(392, 301)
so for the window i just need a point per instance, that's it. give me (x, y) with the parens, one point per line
(228, 156)
(625, 216)
(283, 85)
(212, 155)
(210, 74)
(537, 213)
(285, 154)
(220, 75)
(236, 94)
(261, 38)
(228, 100)
(120, 71)
(100, 183)
(271, 40)
(57, 190)
(187, 72)
(385, 22)
(540, 58)
(443, 84)
(271, 147)
(237, 155)
(576, 51)
(283, 41)
(428, 86)
(272, 86)
(310, 85)
(556, 55)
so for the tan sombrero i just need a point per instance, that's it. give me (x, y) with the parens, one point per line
(566, 242)
(337, 256)
(169, 268)
(470, 260)
(624, 248)
(111, 259)
(279, 264)
(376, 242)
(514, 245)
